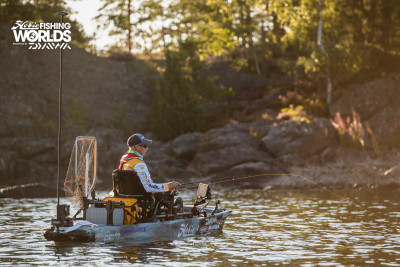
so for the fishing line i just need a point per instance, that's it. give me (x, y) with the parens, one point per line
(224, 180)
(232, 179)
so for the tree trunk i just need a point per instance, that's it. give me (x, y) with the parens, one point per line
(129, 35)
(321, 46)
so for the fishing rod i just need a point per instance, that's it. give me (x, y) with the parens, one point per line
(231, 179)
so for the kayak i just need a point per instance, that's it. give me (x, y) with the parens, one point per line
(130, 212)
(86, 231)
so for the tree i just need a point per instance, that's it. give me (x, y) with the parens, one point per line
(132, 23)
(176, 109)
(255, 35)
(119, 14)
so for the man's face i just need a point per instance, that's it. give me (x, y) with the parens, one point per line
(142, 149)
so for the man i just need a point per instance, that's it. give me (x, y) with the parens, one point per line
(133, 160)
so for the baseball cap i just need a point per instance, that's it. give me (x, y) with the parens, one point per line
(138, 139)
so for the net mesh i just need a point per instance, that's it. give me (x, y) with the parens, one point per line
(81, 173)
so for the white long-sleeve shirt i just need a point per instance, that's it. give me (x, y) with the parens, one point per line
(133, 162)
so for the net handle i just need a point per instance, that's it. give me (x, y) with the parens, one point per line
(93, 140)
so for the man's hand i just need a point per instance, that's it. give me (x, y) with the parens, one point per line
(173, 185)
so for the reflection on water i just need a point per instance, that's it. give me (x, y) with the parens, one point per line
(265, 228)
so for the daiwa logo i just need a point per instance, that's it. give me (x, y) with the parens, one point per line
(42, 35)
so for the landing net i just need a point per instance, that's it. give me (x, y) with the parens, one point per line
(81, 173)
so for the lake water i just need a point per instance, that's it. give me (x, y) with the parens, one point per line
(276, 227)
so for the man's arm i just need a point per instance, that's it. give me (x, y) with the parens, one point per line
(147, 182)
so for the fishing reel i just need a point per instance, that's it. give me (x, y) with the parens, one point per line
(174, 192)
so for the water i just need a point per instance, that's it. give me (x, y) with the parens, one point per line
(280, 227)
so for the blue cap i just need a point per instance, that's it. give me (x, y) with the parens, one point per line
(138, 139)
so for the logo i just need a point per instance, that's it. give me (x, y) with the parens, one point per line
(42, 35)
(185, 230)
(135, 230)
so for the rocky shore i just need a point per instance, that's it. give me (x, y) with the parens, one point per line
(111, 100)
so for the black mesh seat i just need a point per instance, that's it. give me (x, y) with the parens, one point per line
(126, 183)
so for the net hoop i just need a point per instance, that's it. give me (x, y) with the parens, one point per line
(82, 170)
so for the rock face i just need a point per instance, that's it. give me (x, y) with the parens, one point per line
(370, 98)
(300, 139)
(111, 100)
(378, 105)
(223, 148)
(99, 95)
(187, 145)
(237, 150)
(386, 126)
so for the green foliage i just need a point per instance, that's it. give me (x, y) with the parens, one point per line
(312, 63)
(117, 13)
(348, 61)
(194, 72)
(350, 30)
(316, 106)
(176, 108)
(252, 35)
(294, 113)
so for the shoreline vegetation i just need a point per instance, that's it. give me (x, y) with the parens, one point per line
(227, 90)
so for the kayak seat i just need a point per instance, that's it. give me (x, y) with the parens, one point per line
(126, 183)
(127, 188)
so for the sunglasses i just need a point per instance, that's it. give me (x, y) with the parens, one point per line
(143, 145)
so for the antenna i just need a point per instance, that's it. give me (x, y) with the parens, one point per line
(62, 14)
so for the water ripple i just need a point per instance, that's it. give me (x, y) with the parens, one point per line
(266, 228)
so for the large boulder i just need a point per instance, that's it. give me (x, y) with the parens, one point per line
(385, 126)
(377, 104)
(186, 146)
(222, 159)
(28, 148)
(231, 134)
(27, 160)
(261, 128)
(368, 99)
(300, 139)
(226, 147)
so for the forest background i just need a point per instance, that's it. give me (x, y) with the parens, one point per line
(313, 52)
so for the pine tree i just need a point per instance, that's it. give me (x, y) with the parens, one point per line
(176, 109)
